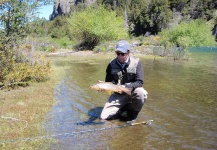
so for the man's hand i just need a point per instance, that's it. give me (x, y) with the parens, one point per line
(123, 86)
(120, 92)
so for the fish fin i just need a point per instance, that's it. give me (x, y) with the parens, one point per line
(109, 92)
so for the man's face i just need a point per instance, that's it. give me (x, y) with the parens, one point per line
(122, 57)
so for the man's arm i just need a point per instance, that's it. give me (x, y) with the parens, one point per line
(109, 77)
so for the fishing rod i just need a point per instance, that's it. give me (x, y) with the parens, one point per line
(148, 122)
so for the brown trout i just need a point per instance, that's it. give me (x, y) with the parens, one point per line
(110, 87)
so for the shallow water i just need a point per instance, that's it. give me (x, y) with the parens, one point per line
(181, 101)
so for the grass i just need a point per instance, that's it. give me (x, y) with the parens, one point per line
(22, 112)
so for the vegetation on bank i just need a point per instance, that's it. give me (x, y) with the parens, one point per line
(91, 27)
(142, 18)
(18, 67)
(178, 39)
(23, 112)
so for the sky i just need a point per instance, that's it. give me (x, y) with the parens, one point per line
(45, 11)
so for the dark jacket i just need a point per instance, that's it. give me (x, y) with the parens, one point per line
(132, 75)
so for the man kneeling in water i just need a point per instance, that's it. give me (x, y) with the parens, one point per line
(126, 71)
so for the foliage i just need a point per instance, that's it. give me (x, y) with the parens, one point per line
(14, 74)
(60, 28)
(39, 27)
(15, 68)
(93, 26)
(137, 17)
(194, 9)
(194, 33)
(56, 30)
(149, 16)
(63, 42)
(13, 17)
(145, 16)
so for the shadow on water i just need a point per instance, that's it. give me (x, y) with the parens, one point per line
(181, 101)
(93, 114)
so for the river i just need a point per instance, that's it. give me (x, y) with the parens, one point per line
(182, 101)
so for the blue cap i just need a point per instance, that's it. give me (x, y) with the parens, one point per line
(122, 46)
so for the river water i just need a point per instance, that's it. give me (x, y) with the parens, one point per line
(182, 101)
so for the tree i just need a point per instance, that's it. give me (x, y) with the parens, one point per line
(149, 16)
(194, 9)
(92, 26)
(14, 18)
(137, 16)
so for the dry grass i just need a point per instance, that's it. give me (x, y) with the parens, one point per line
(22, 113)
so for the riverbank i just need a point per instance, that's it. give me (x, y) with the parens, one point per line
(135, 50)
(23, 111)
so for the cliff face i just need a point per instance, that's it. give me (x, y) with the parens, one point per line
(63, 6)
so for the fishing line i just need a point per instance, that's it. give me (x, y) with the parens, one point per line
(73, 133)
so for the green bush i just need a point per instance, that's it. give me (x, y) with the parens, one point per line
(195, 33)
(179, 38)
(14, 74)
(63, 42)
(92, 26)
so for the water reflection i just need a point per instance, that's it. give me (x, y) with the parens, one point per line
(182, 103)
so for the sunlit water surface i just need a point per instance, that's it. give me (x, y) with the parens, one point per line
(181, 101)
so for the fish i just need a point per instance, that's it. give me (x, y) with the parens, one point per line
(110, 87)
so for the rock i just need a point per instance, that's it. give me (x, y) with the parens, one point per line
(63, 6)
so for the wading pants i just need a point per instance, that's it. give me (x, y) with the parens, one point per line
(117, 101)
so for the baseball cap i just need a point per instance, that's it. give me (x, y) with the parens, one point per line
(122, 46)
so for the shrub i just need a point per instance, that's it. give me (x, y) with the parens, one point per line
(92, 26)
(194, 33)
(14, 73)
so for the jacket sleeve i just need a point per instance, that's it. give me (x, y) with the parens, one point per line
(109, 77)
(139, 77)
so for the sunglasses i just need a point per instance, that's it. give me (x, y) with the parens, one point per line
(122, 54)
